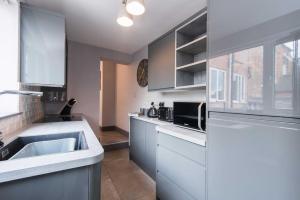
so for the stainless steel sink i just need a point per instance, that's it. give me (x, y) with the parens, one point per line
(46, 147)
(39, 145)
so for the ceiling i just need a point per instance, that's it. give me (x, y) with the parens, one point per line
(94, 21)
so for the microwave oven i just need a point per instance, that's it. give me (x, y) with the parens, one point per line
(190, 115)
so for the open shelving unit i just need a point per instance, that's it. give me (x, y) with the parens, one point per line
(190, 51)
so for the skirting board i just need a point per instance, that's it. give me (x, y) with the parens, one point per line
(114, 128)
(115, 146)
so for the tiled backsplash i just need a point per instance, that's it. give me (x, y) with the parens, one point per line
(31, 108)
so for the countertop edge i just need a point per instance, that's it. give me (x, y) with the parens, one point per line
(150, 120)
(54, 163)
(190, 138)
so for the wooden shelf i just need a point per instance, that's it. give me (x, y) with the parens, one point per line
(193, 67)
(191, 86)
(194, 47)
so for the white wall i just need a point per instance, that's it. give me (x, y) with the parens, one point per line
(108, 91)
(130, 97)
(83, 77)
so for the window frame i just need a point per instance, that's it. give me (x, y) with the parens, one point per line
(217, 85)
(242, 98)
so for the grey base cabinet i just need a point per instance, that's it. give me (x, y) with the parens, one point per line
(143, 145)
(181, 171)
(74, 184)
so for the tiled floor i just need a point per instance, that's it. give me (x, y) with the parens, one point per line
(111, 137)
(122, 179)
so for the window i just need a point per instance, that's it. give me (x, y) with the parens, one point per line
(9, 57)
(217, 84)
(285, 63)
(247, 79)
(238, 88)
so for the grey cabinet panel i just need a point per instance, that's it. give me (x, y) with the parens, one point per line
(184, 148)
(42, 47)
(185, 173)
(168, 190)
(226, 31)
(253, 159)
(137, 142)
(76, 184)
(161, 66)
(143, 145)
(151, 149)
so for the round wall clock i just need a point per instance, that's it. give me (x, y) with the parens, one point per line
(142, 73)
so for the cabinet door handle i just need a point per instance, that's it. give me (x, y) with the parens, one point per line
(200, 116)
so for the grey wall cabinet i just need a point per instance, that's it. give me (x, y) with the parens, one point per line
(143, 145)
(42, 47)
(181, 171)
(161, 66)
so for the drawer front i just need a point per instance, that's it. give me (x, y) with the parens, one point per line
(185, 173)
(166, 190)
(190, 150)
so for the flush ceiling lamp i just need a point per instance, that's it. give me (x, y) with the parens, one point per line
(135, 7)
(124, 18)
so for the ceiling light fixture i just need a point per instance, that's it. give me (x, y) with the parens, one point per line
(135, 7)
(124, 18)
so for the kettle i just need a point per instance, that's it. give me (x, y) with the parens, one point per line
(152, 112)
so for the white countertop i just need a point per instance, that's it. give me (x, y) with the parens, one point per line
(33, 166)
(192, 136)
(169, 128)
(150, 120)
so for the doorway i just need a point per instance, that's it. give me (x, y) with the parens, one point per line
(110, 136)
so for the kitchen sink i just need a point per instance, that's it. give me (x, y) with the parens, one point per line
(39, 145)
(46, 147)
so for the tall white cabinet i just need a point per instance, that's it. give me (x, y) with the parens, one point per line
(43, 45)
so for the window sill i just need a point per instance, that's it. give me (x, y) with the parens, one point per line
(4, 116)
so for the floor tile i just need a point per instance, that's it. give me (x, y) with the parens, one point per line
(115, 155)
(120, 167)
(133, 186)
(153, 197)
(122, 179)
(108, 191)
(111, 137)
(104, 173)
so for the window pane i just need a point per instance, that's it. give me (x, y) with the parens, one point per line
(213, 86)
(247, 79)
(220, 66)
(235, 88)
(283, 80)
(221, 85)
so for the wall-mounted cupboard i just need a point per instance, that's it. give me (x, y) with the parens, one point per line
(161, 63)
(43, 47)
(190, 51)
(178, 58)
